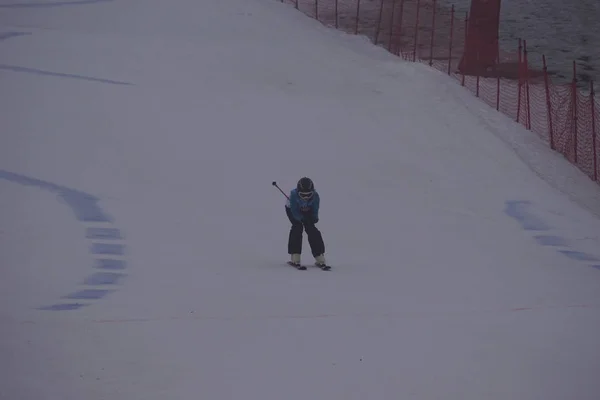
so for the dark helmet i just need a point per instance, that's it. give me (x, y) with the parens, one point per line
(306, 188)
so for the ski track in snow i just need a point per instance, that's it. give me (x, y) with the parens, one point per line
(521, 211)
(51, 4)
(106, 243)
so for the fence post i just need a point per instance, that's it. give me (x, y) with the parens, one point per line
(478, 61)
(528, 124)
(357, 14)
(400, 28)
(465, 44)
(297, 5)
(595, 152)
(336, 14)
(548, 103)
(391, 25)
(432, 33)
(416, 31)
(574, 105)
(317, 10)
(519, 69)
(379, 23)
(497, 74)
(451, 38)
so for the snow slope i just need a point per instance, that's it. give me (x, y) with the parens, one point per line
(143, 246)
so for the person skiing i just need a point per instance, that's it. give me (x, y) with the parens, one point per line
(302, 209)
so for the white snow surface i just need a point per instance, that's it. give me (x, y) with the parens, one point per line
(435, 292)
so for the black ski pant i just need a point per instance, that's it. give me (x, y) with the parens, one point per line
(315, 239)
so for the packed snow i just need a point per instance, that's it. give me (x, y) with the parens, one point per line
(143, 247)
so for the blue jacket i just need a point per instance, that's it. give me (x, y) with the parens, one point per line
(298, 207)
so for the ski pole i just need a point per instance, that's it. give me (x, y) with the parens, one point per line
(275, 184)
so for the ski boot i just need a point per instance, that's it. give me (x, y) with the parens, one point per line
(295, 262)
(320, 262)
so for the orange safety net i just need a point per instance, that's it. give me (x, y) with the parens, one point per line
(564, 115)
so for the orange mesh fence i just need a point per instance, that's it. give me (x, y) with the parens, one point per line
(424, 31)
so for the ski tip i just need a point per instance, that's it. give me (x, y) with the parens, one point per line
(297, 266)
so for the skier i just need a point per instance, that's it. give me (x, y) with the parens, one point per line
(302, 209)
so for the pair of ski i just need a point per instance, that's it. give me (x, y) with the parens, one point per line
(303, 267)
